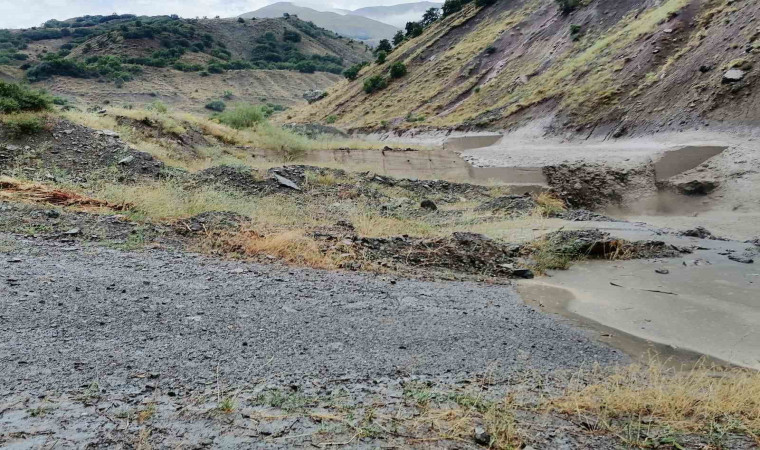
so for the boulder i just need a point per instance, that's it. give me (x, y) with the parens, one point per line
(734, 76)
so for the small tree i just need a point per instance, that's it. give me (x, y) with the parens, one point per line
(430, 16)
(451, 6)
(398, 69)
(413, 29)
(241, 20)
(381, 57)
(384, 46)
(398, 38)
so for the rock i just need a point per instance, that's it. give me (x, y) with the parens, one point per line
(314, 95)
(662, 271)
(481, 436)
(697, 187)
(127, 160)
(733, 76)
(699, 232)
(285, 182)
(705, 69)
(429, 205)
(53, 214)
(72, 232)
(110, 133)
(523, 273)
(741, 259)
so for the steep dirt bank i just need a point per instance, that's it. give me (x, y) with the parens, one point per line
(609, 68)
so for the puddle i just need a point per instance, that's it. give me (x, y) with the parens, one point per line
(443, 164)
(678, 161)
(462, 143)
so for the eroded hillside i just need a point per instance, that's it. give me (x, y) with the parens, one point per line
(608, 66)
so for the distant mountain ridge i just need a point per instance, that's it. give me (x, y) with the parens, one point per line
(396, 15)
(352, 26)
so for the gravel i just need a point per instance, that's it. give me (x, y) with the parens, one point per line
(71, 315)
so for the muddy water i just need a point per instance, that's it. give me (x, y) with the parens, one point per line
(702, 303)
(678, 161)
(443, 164)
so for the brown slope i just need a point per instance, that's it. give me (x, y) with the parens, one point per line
(636, 65)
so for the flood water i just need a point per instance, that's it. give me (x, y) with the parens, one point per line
(443, 164)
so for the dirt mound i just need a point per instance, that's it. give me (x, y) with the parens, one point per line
(74, 151)
(468, 253)
(593, 186)
(596, 244)
(449, 191)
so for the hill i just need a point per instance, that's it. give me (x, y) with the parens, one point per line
(597, 66)
(180, 61)
(355, 27)
(396, 15)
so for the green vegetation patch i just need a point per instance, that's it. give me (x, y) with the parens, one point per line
(16, 98)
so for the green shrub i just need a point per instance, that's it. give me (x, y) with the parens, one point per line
(567, 6)
(352, 72)
(398, 69)
(23, 124)
(216, 105)
(17, 98)
(243, 116)
(331, 119)
(291, 36)
(575, 32)
(159, 107)
(375, 83)
(381, 57)
(484, 3)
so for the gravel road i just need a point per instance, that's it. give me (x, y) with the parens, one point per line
(71, 315)
(91, 336)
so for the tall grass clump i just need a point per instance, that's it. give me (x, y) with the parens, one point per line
(243, 116)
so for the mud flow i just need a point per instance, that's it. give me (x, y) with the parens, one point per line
(442, 164)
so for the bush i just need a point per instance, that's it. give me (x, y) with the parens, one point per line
(291, 36)
(381, 57)
(567, 6)
(374, 84)
(16, 98)
(241, 20)
(352, 72)
(306, 67)
(244, 116)
(216, 105)
(23, 124)
(484, 3)
(398, 70)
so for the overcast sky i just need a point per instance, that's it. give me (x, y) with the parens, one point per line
(29, 13)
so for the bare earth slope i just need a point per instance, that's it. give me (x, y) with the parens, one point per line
(609, 67)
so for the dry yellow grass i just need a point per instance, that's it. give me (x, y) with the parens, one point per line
(291, 246)
(696, 400)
